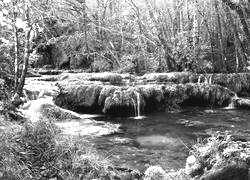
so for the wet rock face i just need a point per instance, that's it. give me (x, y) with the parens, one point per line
(237, 82)
(80, 98)
(127, 101)
(127, 95)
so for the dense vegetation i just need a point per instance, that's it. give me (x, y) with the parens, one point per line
(129, 36)
(37, 151)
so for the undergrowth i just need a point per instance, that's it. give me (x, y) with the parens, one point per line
(38, 151)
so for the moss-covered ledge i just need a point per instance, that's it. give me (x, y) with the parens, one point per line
(237, 82)
(125, 100)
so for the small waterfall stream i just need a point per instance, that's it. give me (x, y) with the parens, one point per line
(199, 79)
(138, 104)
(135, 107)
(210, 80)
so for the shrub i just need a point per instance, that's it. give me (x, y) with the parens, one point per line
(220, 150)
(38, 151)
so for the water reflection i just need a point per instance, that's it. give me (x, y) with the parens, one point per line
(164, 138)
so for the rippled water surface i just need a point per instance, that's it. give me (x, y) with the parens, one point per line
(164, 138)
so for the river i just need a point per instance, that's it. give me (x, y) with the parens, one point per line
(165, 138)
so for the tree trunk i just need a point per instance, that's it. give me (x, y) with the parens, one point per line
(238, 42)
(25, 63)
(162, 40)
(85, 26)
(16, 47)
(16, 60)
(26, 55)
(220, 35)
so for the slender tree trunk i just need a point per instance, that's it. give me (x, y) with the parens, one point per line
(236, 58)
(210, 34)
(85, 25)
(238, 42)
(26, 54)
(195, 28)
(16, 60)
(220, 35)
(16, 47)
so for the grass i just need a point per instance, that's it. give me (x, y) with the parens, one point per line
(39, 151)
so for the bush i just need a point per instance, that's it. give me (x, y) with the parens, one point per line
(220, 150)
(38, 151)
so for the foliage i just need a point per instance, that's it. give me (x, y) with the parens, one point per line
(219, 151)
(38, 151)
(6, 65)
(138, 36)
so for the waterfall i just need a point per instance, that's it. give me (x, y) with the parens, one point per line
(138, 104)
(210, 80)
(134, 106)
(199, 79)
(206, 80)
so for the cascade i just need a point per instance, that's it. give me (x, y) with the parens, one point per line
(210, 80)
(199, 79)
(134, 106)
(205, 80)
(138, 104)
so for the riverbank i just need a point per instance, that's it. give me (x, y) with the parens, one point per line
(38, 150)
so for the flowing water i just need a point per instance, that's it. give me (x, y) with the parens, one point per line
(164, 138)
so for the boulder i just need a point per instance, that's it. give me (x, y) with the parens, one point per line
(45, 109)
(193, 166)
(154, 173)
